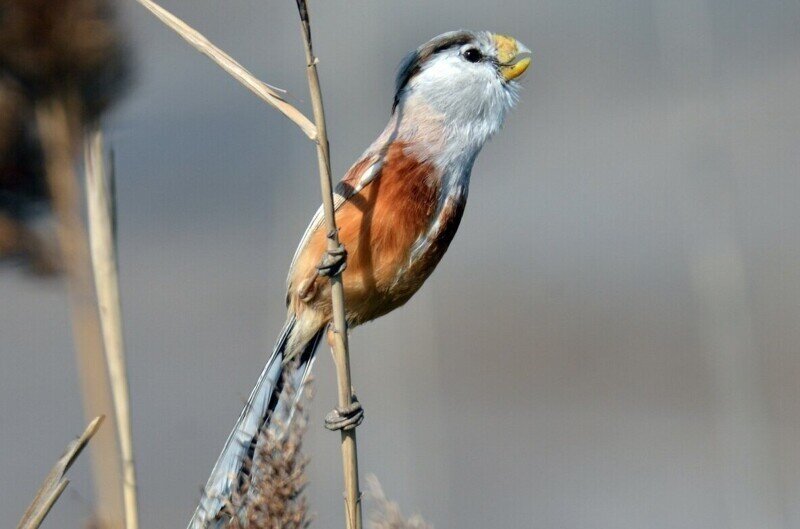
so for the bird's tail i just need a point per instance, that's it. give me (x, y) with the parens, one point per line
(263, 405)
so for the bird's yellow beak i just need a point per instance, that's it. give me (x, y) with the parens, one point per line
(513, 56)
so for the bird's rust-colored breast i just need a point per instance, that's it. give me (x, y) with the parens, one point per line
(378, 226)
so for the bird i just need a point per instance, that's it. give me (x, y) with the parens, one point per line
(397, 209)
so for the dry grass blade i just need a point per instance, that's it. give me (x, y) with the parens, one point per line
(48, 504)
(264, 91)
(100, 200)
(54, 484)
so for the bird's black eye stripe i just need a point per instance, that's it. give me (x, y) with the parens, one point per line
(472, 55)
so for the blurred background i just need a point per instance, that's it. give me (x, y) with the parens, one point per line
(611, 341)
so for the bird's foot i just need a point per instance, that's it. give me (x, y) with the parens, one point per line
(346, 418)
(333, 262)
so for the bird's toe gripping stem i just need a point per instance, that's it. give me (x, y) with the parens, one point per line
(334, 261)
(346, 418)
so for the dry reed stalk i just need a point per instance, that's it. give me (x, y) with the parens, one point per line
(102, 238)
(55, 483)
(58, 126)
(264, 91)
(341, 355)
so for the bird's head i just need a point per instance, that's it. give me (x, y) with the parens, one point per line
(470, 78)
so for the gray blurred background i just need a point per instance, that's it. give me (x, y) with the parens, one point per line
(611, 341)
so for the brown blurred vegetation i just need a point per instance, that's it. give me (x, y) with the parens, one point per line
(68, 49)
(23, 190)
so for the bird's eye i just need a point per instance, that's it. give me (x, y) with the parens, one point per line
(472, 55)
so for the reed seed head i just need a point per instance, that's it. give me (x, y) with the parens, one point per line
(51, 46)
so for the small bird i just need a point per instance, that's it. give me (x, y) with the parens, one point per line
(397, 210)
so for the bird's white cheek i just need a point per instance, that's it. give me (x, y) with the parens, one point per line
(469, 101)
(460, 97)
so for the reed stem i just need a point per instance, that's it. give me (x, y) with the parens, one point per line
(102, 237)
(341, 354)
(59, 127)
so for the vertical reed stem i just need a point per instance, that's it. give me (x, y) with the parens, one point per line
(102, 237)
(340, 346)
(58, 124)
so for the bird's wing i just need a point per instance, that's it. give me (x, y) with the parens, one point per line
(356, 179)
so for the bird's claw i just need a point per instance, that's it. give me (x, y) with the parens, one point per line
(346, 418)
(333, 262)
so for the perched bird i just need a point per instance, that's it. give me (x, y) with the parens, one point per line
(397, 209)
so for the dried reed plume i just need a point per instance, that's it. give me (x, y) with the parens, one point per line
(53, 46)
(272, 495)
(24, 197)
(13, 108)
(22, 183)
(386, 513)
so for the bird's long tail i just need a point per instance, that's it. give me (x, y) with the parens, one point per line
(264, 404)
